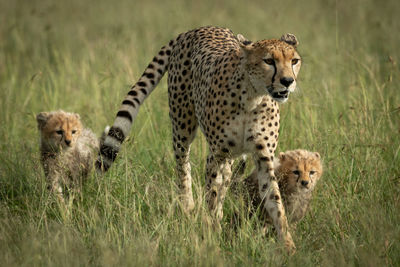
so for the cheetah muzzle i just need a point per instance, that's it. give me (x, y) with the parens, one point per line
(281, 96)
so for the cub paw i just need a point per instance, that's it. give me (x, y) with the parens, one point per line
(289, 245)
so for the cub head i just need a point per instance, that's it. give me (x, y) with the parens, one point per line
(272, 65)
(299, 170)
(59, 129)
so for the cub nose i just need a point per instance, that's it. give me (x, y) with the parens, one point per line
(304, 183)
(286, 81)
(68, 142)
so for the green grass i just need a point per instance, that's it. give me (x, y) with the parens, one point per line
(82, 56)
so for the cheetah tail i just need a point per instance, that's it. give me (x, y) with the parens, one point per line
(103, 135)
(130, 106)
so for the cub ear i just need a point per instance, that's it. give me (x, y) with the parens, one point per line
(317, 155)
(42, 118)
(290, 39)
(282, 156)
(77, 116)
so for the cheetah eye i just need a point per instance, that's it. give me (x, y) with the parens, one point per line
(60, 132)
(296, 172)
(73, 131)
(312, 173)
(295, 61)
(269, 61)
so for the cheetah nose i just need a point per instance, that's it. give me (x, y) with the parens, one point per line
(286, 81)
(304, 183)
(68, 142)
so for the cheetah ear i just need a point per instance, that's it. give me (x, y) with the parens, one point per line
(243, 41)
(42, 118)
(77, 116)
(316, 154)
(290, 39)
(281, 156)
(245, 44)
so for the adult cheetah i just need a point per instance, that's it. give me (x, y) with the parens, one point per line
(230, 87)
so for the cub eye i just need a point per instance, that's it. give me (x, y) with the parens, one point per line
(295, 61)
(73, 131)
(60, 132)
(269, 61)
(312, 172)
(296, 172)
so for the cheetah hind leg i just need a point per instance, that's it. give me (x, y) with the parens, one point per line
(185, 180)
(182, 152)
(218, 178)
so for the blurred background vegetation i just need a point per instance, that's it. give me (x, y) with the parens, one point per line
(82, 56)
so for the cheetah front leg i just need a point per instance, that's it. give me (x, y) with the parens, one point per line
(218, 177)
(227, 176)
(268, 189)
(54, 185)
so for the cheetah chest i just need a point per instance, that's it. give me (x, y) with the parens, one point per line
(252, 127)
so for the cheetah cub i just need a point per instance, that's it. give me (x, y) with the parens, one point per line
(67, 150)
(297, 171)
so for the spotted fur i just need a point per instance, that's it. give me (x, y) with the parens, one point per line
(230, 88)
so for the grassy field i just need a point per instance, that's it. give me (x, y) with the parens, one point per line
(82, 56)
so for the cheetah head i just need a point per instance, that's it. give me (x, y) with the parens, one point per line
(58, 129)
(272, 65)
(299, 170)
